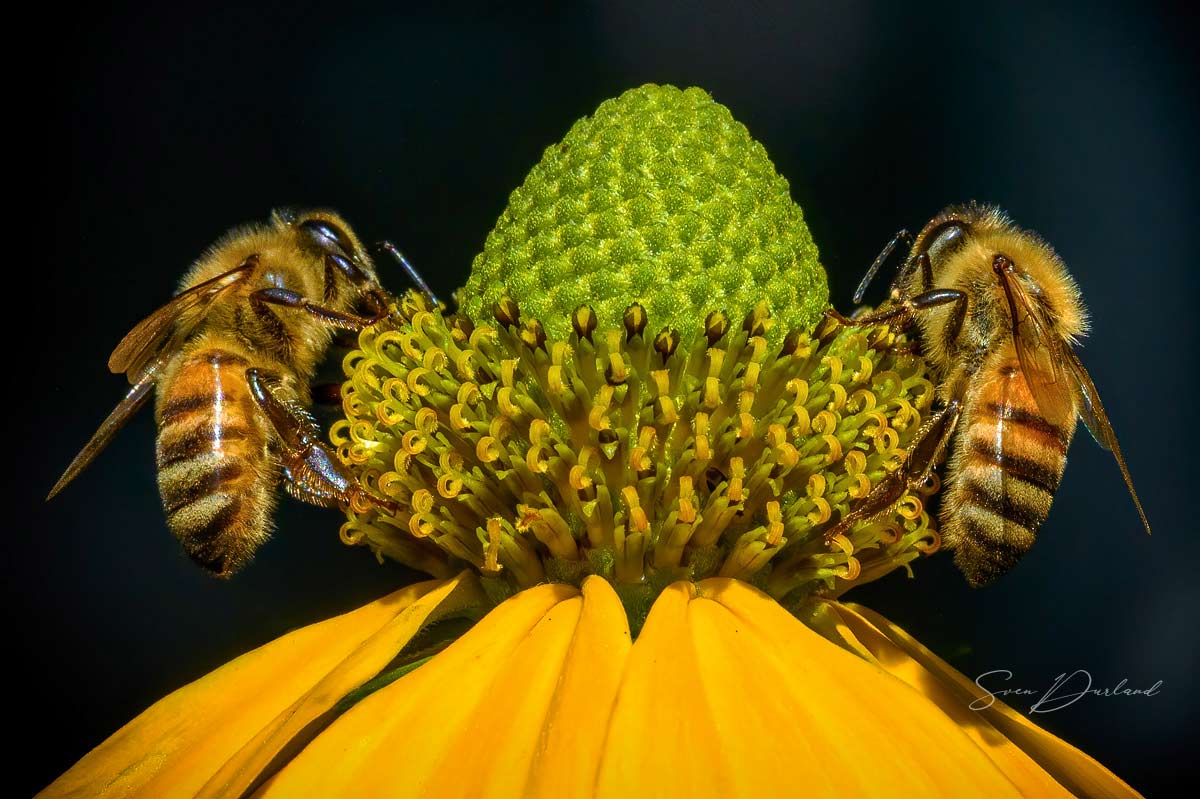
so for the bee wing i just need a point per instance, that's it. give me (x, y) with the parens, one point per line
(1056, 377)
(126, 408)
(1040, 351)
(1091, 411)
(146, 340)
(141, 355)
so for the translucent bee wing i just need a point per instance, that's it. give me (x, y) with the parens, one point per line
(1091, 411)
(1040, 352)
(126, 408)
(142, 354)
(142, 344)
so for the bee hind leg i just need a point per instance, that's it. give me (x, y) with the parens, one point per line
(927, 451)
(313, 473)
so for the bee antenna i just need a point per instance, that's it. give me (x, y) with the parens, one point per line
(861, 291)
(411, 270)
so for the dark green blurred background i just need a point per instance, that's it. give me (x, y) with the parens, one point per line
(165, 126)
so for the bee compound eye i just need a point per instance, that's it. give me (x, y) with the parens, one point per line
(945, 241)
(327, 236)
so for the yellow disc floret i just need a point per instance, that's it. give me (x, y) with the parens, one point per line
(638, 455)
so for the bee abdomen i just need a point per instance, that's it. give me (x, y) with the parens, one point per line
(1010, 467)
(214, 475)
(986, 546)
(1026, 424)
(1043, 474)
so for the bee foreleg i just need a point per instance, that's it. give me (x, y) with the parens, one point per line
(922, 263)
(314, 474)
(898, 312)
(936, 297)
(926, 267)
(904, 311)
(927, 451)
(290, 299)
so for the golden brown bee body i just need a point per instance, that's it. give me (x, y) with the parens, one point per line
(216, 472)
(1005, 465)
(997, 315)
(230, 358)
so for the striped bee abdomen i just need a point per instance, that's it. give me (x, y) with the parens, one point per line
(1007, 464)
(214, 471)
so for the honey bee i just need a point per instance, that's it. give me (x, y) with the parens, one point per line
(230, 358)
(997, 316)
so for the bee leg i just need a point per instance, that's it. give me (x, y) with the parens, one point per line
(910, 347)
(280, 340)
(313, 473)
(899, 312)
(926, 452)
(411, 271)
(290, 299)
(926, 267)
(904, 311)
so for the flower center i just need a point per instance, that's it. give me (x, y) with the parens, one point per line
(644, 458)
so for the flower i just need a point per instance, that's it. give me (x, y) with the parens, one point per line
(724, 693)
(633, 501)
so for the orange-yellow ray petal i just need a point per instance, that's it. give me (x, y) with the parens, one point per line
(759, 733)
(662, 739)
(288, 729)
(573, 734)
(406, 738)
(1076, 771)
(178, 743)
(493, 749)
(860, 635)
(867, 733)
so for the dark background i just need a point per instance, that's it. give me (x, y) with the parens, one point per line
(158, 128)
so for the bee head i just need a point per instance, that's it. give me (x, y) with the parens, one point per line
(324, 232)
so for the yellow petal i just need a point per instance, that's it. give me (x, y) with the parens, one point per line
(458, 726)
(176, 745)
(1003, 731)
(726, 694)
(573, 734)
(295, 725)
(661, 740)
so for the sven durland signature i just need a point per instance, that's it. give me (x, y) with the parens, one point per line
(1066, 690)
